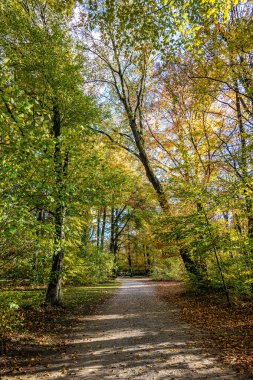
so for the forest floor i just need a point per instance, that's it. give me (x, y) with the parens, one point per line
(226, 331)
(138, 333)
(44, 332)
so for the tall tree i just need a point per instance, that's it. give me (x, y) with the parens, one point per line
(125, 55)
(47, 68)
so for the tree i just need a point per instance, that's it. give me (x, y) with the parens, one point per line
(47, 68)
(125, 66)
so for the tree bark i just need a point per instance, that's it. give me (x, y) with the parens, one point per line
(113, 244)
(245, 179)
(200, 263)
(103, 229)
(54, 292)
(148, 169)
(130, 264)
(148, 260)
(98, 229)
(112, 236)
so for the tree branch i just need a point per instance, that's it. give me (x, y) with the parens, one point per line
(115, 142)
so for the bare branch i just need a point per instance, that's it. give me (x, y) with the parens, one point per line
(115, 142)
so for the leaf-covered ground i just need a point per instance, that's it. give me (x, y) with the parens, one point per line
(228, 331)
(133, 335)
(44, 331)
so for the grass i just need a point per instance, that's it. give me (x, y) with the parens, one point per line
(24, 298)
(27, 298)
(44, 329)
(88, 297)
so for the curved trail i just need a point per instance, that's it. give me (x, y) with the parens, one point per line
(135, 336)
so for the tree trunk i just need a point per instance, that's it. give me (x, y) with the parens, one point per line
(98, 229)
(113, 243)
(190, 265)
(35, 266)
(54, 290)
(245, 178)
(146, 164)
(137, 131)
(112, 231)
(148, 260)
(249, 209)
(54, 293)
(103, 229)
(200, 263)
(130, 264)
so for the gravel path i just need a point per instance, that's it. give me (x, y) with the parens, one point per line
(134, 336)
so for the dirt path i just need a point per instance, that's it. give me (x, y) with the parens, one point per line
(133, 336)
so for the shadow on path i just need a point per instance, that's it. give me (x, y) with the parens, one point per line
(133, 336)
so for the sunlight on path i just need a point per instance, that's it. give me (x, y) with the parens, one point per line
(134, 336)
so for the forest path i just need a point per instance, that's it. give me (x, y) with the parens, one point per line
(134, 335)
